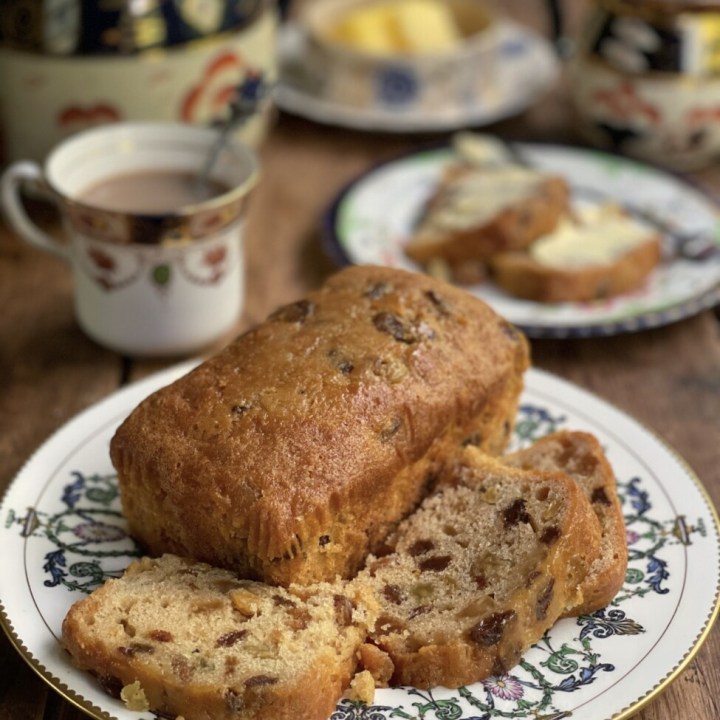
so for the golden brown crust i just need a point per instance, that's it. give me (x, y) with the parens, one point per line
(514, 227)
(292, 660)
(484, 567)
(581, 456)
(295, 450)
(520, 275)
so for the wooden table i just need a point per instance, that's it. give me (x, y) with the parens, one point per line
(667, 378)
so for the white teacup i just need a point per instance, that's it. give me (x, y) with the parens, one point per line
(147, 282)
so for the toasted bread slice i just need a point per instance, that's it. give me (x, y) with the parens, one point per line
(581, 456)
(479, 211)
(604, 255)
(486, 565)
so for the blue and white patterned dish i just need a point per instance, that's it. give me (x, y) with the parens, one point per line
(527, 68)
(62, 534)
(370, 220)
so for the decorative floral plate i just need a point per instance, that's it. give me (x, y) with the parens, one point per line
(371, 219)
(527, 66)
(62, 535)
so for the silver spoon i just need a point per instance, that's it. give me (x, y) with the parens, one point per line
(245, 103)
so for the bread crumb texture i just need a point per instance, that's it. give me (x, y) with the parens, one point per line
(173, 636)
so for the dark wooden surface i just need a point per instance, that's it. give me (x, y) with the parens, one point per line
(668, 378)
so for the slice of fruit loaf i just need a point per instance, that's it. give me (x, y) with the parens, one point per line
(183, 638)
(581, 456)
(601, 253)
(479, 211)
(476, 575)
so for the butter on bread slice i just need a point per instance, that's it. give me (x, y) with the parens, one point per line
(598, 252)
(479, 572)
(581, 456)
(478, 211)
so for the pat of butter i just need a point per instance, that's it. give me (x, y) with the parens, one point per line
(399, 27)
(597, 236)
(426, 26)
(369, 29)
(481, 149)
(478, 196)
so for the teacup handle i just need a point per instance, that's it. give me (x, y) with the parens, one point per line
(10, 189)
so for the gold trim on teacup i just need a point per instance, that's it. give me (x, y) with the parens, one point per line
(189, 224)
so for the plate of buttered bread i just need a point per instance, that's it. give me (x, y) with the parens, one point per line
(563, 242)
(369, 505)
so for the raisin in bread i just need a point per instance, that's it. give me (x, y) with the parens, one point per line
(479, 211)
(182, 638)
(294, 451)
(599, 253)
(478, 573)
(581, 456)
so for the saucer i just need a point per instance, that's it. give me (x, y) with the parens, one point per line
(527, 66)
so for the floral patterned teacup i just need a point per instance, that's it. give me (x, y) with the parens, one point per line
(146, 283)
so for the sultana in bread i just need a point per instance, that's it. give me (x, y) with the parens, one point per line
(293, 452)
(581, 456)
(182, 638)
(478, 573)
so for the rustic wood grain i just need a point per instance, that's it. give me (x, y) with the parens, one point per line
(668, 378)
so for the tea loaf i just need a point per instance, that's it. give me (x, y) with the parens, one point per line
(293, 452)
(479, 211)
(478, 573)
(182, 638)
(581, 456)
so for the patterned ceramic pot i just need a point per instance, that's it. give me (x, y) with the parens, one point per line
(69, 64)
(422, 83)
(646, 80)
(163, 283)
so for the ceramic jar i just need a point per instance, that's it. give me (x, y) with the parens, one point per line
(646, 80)
(69, 64)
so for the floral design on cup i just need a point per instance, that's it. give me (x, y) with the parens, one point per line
(73, 118)
(115, 268)
(111, 270)
(216, 86)
(208, 267)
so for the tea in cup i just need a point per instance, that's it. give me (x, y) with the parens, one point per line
(157, 256)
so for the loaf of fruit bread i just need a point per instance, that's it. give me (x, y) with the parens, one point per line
(478, 573)
(478, 211)
(581, 456)
(292, 453)
(601, 252)
(184, 639)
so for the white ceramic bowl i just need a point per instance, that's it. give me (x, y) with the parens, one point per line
(460, 78)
